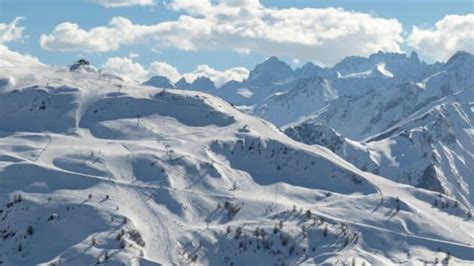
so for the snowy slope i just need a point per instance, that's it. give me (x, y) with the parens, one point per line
(418, 133)
(359, 117)
(306, 96)
(117, 172)
(433, 150)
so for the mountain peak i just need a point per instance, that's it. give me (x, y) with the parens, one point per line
(414, 56)
(183, 84)
(273, 59)
(201, 79)
(312, 70)
(273, 62)
(159, 82)
(460, 56)
(461, 53)
(203, 83)
(270, 71)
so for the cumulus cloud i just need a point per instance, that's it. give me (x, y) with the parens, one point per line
(450, 34)
(218, 77)
(10, 58)
(133, 71)
(322, 35)
(164, 69)
(70, 37)
(126, 68)
(124, 3)
(11, 31)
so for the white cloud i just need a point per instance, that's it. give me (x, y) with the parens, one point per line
(218, 77)
(195, 7)
(164, 69)
(322, 35)
(130, 70)
(126, 68)
(133, 55)
(242, 51)
(10, 58)
(450, 34)
(70, 37)
(11, 32)
(124, 3)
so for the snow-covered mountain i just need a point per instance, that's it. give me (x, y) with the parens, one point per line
(353, 76)
(360, 116)
(310, 70)
(267, 78)
(390, 65)
(419, 133)
(200, 84)
(159, 82)
(183, 84)
(100, 170)
(203, 84)
(275, 91)
(306, 95)
(269, 72)
(433, 150)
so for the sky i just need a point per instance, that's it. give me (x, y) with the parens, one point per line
(227, 38)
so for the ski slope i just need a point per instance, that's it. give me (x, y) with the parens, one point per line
(97, 170)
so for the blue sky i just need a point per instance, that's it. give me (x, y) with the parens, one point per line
(41, 17)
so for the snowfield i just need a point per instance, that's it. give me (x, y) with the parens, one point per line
(97, 170)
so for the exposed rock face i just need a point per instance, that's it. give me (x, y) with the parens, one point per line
(317, 134)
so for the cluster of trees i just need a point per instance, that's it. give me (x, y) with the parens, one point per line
(231, 208)
(258, 238)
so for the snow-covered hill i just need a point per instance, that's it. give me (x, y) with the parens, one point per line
(100, 170)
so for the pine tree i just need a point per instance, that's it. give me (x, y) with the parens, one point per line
(29, 230)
